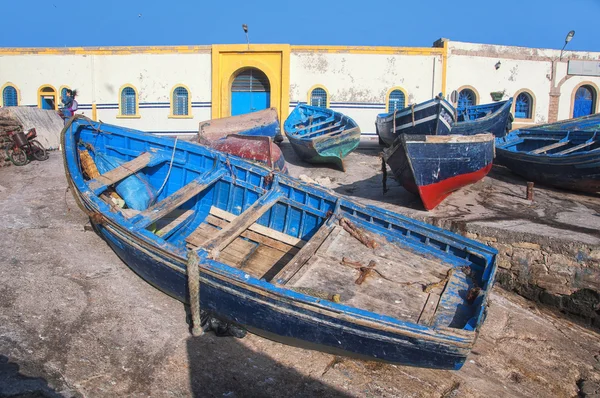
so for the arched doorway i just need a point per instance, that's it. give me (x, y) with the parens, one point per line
(250, 92)
(47, 98)
(585, 101)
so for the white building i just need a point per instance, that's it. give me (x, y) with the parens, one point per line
(171, 89)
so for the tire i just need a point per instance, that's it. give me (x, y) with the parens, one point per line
(18, 156)
(39, 152)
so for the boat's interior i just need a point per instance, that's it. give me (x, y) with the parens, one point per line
(289, 233)
(551, 143)
(474, 112)
(309, 123)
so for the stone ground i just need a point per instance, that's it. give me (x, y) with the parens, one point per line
(75, 321)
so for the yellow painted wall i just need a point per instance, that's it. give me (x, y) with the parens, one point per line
(228, 60)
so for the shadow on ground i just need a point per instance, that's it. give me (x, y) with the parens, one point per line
(224, 367)
(15, 384)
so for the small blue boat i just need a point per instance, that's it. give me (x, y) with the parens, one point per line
(293, 262)
(320, 135)
(260, 123)
(434, 117)
(563, 155)
(435, 166)
(494, 118)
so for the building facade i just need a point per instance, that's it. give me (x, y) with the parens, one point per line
(171, 89)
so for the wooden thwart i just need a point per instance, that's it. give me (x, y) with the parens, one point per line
(304, 254)
(241, 223)
(575, 148)
(314, 125)
(175, 223)
(120, 173)
(549, 147)
(333, 126)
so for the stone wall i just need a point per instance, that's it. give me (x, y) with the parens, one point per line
(565, 276)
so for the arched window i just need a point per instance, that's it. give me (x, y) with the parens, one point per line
(318, 97)
(47, 98)
(396, 100)
(180, 101)
(466, 97)
(524, 106)
(128, 105)
(585, 101)
(10, 96)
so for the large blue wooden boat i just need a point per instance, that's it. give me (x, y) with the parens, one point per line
(434, 117)
(287, 260)
(564, 154)
(494, 118)
(320, 135)
(435, 166)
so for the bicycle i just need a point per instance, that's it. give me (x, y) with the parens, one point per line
(24, 147)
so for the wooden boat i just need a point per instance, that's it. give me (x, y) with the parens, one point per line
(494, 118)
(434, 117)
(321, 135)
(260, 123)
(254, 148)
(290, 261)
(564, 154)
(435, 166)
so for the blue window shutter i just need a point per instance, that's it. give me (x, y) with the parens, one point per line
(523, 106)
(180, 101)
(318, 97)
(466, 98)
(128, 101)
(396, 101)
(9, 96)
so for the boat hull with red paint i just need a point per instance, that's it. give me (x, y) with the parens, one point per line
(435, 166)
(259, 149)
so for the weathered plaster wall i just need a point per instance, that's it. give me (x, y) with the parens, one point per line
(358, 83)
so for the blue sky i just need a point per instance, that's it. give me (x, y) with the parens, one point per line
(530, 23)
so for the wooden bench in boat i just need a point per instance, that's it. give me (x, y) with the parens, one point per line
(333, 126)
(575, 148)
(548, 147)
(103, 181)
(314, 125)
(259, 250)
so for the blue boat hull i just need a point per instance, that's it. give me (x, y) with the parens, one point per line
(578, 170)
(434, 167)
(496, 122)
(332, 138)
(434, 117)
(208, 184)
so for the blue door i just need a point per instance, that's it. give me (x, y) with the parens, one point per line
(584, 101)
(250, 92)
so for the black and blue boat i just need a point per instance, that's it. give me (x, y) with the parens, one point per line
(290, 261)
(494, 118)
(320, 135)
(564, 154)
(433, 167)
(434, 117)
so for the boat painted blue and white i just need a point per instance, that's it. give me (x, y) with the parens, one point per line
(434, 117)
(433, 167)
(565, 154)
(494, 118)
(287, 260)
(320, 135)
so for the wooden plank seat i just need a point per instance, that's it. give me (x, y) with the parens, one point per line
(241, 223)
(549, 147)
(575, 148)
(176, 199)
(259, 250)
(323, 130)
(100, 183)
(314, 125)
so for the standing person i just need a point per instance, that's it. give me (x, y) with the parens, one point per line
(69, 104)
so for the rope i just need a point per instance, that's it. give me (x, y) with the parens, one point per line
(193, 273)
(169, 171)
